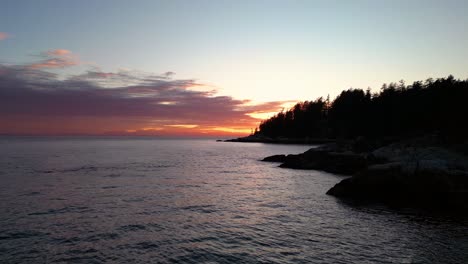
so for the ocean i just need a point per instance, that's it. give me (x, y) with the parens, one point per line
(148, 200)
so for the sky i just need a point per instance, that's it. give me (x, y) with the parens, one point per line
(214, 68)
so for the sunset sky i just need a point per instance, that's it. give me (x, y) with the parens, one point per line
(208, 68)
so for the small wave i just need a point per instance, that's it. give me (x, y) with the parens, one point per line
(187, 186)
(22, 234)
(77, 169)
(58, 199)
(289, 253)
(155, 227)
(65, 240)
(128, 228)
(150, 167)
(84, 168)
(200, 208)
(144, 245)
(112, 175)
(89, 169)
(89, 255)
(230, 171)
(46, 171)
(30, 194)
(134, 200)
(272, 205)
(205, 256)
(109, 187)
(101, 236)
(79, 251)
(68, 209)
(238, 217)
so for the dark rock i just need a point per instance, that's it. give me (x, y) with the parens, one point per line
(419, 172)
(394, 184)
(334, 162)
(362, 144)
(275, 158)
(416, 173)
(279, 140)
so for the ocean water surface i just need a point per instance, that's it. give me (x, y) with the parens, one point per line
(145, 200)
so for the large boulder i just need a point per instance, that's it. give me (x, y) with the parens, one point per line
(428, 176)
(334, 162)
(275, 158)
(331, 157)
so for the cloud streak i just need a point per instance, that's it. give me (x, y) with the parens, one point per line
(34, 101)
(55, 59)
(59, 52)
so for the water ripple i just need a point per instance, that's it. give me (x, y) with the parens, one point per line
(197, 201)
(65, 210)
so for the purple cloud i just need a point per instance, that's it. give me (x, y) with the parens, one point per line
(139, 101)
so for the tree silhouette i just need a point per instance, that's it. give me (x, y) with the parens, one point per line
(431, 107)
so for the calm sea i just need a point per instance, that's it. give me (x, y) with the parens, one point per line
(123, 200)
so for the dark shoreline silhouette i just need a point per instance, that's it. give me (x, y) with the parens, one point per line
(406, 145)
(399, 111)
(416, 173)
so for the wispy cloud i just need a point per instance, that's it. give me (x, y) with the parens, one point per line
(59, 52)
(4, 35)
(55, 59)
(34, 101)
(52, 64)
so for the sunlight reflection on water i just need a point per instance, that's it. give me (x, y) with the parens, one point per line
(192, 201)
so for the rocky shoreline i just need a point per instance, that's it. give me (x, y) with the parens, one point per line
(417, 172)
(320, 159)
(278, 140)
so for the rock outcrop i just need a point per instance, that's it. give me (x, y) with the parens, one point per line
(411, 173)
(432, 177)
(335, 162)
(329, 158)
(279, 140)
(276, 158)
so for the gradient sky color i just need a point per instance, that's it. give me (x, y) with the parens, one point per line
(268, 52)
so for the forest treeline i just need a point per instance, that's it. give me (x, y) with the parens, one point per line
(435, 106)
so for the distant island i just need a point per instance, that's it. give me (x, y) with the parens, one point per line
(405, 145)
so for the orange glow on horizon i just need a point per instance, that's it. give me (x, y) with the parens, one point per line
(182, 126)
(167, 103)
(232, 130)
(190, 130)
(262, 115)
(230, 127)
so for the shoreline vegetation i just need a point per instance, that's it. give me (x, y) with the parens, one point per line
(257, 138)
(404, 146)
